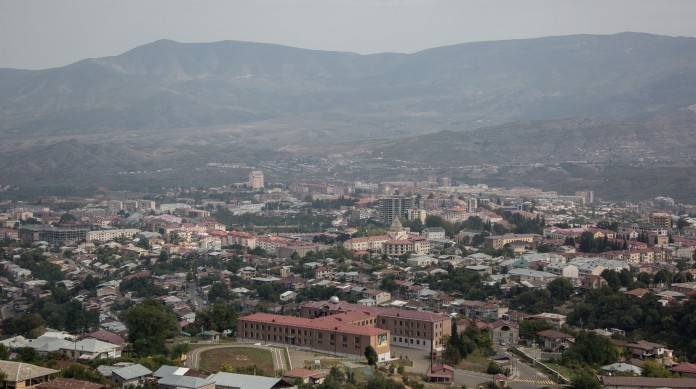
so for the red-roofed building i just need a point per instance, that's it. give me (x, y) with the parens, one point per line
(555, 340)
(407, 328)
(105, 336)
(684, 370)
(441, 373)
(304, 376)
(324, 334)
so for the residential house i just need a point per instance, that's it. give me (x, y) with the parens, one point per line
(379, 296)
(503, 333)
(224, 380)
(556, 320)
(440, 373)
(130, 375)
(642, 348)
(591, 282)
(20, 375)
(184, 382)
(555, 340)
(433, 233)
(303, 376)
(288, 296)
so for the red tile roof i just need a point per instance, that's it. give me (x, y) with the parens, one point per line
(312, 324)
(688, 368)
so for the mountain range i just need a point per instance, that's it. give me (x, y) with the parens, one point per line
(181, 102)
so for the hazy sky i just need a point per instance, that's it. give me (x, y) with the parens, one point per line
(38, 34)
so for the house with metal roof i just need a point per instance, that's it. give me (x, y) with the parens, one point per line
(167, 370)
(184, 382)
(130, 375)
(224, 380)
(23, 375)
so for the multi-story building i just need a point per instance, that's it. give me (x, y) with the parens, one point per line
(256, 179)
(366, 243)
(661, 219)
(346, 334)
(412, 329)
(498, 241)
(413, 214)
(392, 207)
(107, 235)
(50, 234)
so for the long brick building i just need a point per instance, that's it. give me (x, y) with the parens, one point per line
(345, 334)
(412, 329)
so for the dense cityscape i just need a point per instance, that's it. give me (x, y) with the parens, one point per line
(431, 280)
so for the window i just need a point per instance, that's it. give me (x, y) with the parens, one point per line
(357, 339)
(332, 337)
(344, 338)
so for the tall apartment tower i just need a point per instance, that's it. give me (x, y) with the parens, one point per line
(587, 196)
(256, 179)
(661, 219)
(391, 207)
(471, 204)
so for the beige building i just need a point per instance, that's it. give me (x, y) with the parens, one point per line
(498, 241)
(256, 179)
(20, 375)
(107, 235)
(661, 219)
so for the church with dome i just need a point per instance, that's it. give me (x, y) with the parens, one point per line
(397, 241)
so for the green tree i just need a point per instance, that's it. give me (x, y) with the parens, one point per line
(493, 368)
(655, 369)
(585, 380)
(612, 278)
(371, 356)
(4, 352)
(149, 325)
(530, 328)
(220, 291)
(337, 374)
(591, 349)
(560, 288)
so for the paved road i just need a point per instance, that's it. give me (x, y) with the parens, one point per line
(279, 363)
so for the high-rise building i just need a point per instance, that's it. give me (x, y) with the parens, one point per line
(391, 207)
(256, 179)
(587, 196)
(472, 204)
(661, 219)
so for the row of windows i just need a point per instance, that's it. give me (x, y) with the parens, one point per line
(300, 341)
(418, 342)
(332, 337)
(413, 324)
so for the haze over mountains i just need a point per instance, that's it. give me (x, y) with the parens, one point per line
(172, 103)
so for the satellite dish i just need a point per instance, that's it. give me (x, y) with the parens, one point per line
(334, 300)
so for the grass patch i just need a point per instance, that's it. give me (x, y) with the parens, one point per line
(476, 361)
(212, 360)
(565, 371)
